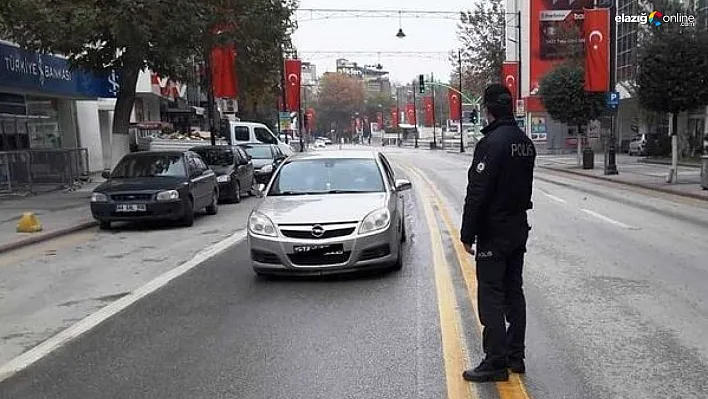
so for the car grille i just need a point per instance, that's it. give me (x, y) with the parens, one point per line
(318, 259)
(131, 197)
(329, 230)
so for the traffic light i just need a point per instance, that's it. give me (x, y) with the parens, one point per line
(474, 117)
(421, 84)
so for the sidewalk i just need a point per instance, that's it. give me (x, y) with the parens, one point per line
(633, 172)
(59, 212)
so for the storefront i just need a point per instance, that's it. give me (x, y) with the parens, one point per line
(38, 94)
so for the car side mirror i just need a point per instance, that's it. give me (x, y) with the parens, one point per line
(403, 185)
(260, 190)
(106, 174)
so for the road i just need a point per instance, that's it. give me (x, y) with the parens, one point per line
(615, 282)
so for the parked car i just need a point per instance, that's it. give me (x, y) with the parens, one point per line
(638, 145)
(155, 186)
(233, 168)
(329, 212)
(266, 158)
(319, 143)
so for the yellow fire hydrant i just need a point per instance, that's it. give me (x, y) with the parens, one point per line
(29, 223)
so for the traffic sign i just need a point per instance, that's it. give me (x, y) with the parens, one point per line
(613, 100)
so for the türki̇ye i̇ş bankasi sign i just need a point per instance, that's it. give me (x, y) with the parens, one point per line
(42, 73)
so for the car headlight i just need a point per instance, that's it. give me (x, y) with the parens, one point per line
(375, 221)
(168, 195)
(223, 178)
(267, 169)
(260, 224)
(99, 197)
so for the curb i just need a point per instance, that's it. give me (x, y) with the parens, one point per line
(46, 236)
(657, 162)
(631, 184)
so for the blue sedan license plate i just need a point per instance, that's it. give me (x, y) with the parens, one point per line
(131, 208)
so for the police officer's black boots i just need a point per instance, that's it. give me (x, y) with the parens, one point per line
(517, 366)
(486, 372)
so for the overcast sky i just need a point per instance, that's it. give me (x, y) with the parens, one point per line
(379, 34)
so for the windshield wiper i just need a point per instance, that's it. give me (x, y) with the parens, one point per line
(346, 191)
(292, 193)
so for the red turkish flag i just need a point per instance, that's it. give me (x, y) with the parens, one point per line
(453, 98)
(223, 71)
(379, 119)
(510, 77)
(428, 105)
(410, 114)
(597, 49)
(394, 117)
(293, 70)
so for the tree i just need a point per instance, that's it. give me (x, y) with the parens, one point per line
(379, 102)
(565, 99)
(340, 97)
(482, 33)
(130, 36)
(673, 72)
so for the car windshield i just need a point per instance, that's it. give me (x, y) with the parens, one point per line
(323, 176)
(216, 156)
(150, 166)
(259, 152)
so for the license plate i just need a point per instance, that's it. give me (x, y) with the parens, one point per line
(329, 249)
(131, 208)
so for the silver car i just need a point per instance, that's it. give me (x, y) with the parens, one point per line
(329, 212)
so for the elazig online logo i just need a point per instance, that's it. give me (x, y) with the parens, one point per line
(657, 18)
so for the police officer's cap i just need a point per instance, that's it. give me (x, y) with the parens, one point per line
(497, 98)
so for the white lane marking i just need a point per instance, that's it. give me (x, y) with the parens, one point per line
(554, 198)
(55, 342)
(607, 219)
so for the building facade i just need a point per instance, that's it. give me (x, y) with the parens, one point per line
(375, 79)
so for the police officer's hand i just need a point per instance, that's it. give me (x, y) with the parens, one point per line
(468, 249)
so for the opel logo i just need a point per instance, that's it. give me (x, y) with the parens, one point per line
(317, 231)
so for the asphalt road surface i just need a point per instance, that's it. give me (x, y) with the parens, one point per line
(616, 287)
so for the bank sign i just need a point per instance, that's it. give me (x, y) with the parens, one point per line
(42, 73)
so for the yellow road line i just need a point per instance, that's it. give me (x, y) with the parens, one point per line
(514, 388)
(453, 345)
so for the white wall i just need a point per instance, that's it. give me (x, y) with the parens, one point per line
(90, 133)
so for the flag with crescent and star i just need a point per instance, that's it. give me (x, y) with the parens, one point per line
(293, 70)
(453, 99)
(410, 114)
(597, 49)
(394, 117)
(428, 106)
(510, 78)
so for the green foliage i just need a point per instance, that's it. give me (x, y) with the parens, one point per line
(482, 33)
(563, 95)
(340, 97)
(380, 102)
(673, 72)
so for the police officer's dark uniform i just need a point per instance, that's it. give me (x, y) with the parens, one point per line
(498, 196)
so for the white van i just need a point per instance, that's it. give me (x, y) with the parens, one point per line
(237, 132)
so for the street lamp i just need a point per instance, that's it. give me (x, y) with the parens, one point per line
(400, 33)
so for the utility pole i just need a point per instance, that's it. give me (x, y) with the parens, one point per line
(432, 88)
(415, 117)
(210, 91)
(282, 89)
(518, 48)
(459, 103)
(610, 155)
(398, 116)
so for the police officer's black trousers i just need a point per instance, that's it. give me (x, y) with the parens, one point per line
(500, 298)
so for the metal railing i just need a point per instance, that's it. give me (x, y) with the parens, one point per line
(28, 170)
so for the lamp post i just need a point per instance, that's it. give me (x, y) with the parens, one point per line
(459, 103)
(415, 117)
(610, 155)
(432, 88)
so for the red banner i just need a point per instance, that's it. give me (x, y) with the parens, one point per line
(428, 106)
(453, 99)
(358, 124)
(379, 119)
(394, 117)
(410, 114)
(293, 70)
(310, 115)
(597, 49)
(223, 71)
(510, 77)
(550, 23)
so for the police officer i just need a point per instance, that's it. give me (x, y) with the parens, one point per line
(498, 196)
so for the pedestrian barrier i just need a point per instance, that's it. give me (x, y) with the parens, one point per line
(45, 169)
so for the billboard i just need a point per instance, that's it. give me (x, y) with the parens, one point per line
(556, 31)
